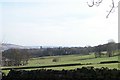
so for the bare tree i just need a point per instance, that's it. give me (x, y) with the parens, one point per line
(111, 47)
(98, 51)
(98, 2)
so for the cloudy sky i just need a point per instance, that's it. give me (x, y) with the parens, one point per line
(56, 23)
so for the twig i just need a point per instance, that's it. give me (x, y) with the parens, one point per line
(97, 3)
(111, 9)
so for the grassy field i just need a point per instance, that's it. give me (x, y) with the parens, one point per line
(71, 59)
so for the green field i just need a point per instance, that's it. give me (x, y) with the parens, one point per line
(72, 59)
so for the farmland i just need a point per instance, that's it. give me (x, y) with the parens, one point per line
(85, 60)
(70, 59)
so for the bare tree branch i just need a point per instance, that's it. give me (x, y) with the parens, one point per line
(113, 6)
(91, 5)
(97, 3)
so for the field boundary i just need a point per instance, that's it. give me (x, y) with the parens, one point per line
(62, 65)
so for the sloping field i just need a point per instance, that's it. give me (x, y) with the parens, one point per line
(69, 59)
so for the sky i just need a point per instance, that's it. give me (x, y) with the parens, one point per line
(56, 23)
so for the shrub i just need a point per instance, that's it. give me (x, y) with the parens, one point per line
(55, 60)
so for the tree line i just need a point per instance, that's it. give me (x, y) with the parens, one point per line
(110, 48)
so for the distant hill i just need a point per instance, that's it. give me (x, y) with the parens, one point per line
(5, 46)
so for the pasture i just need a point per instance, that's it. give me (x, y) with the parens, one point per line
(85, 60)
(69, 59)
